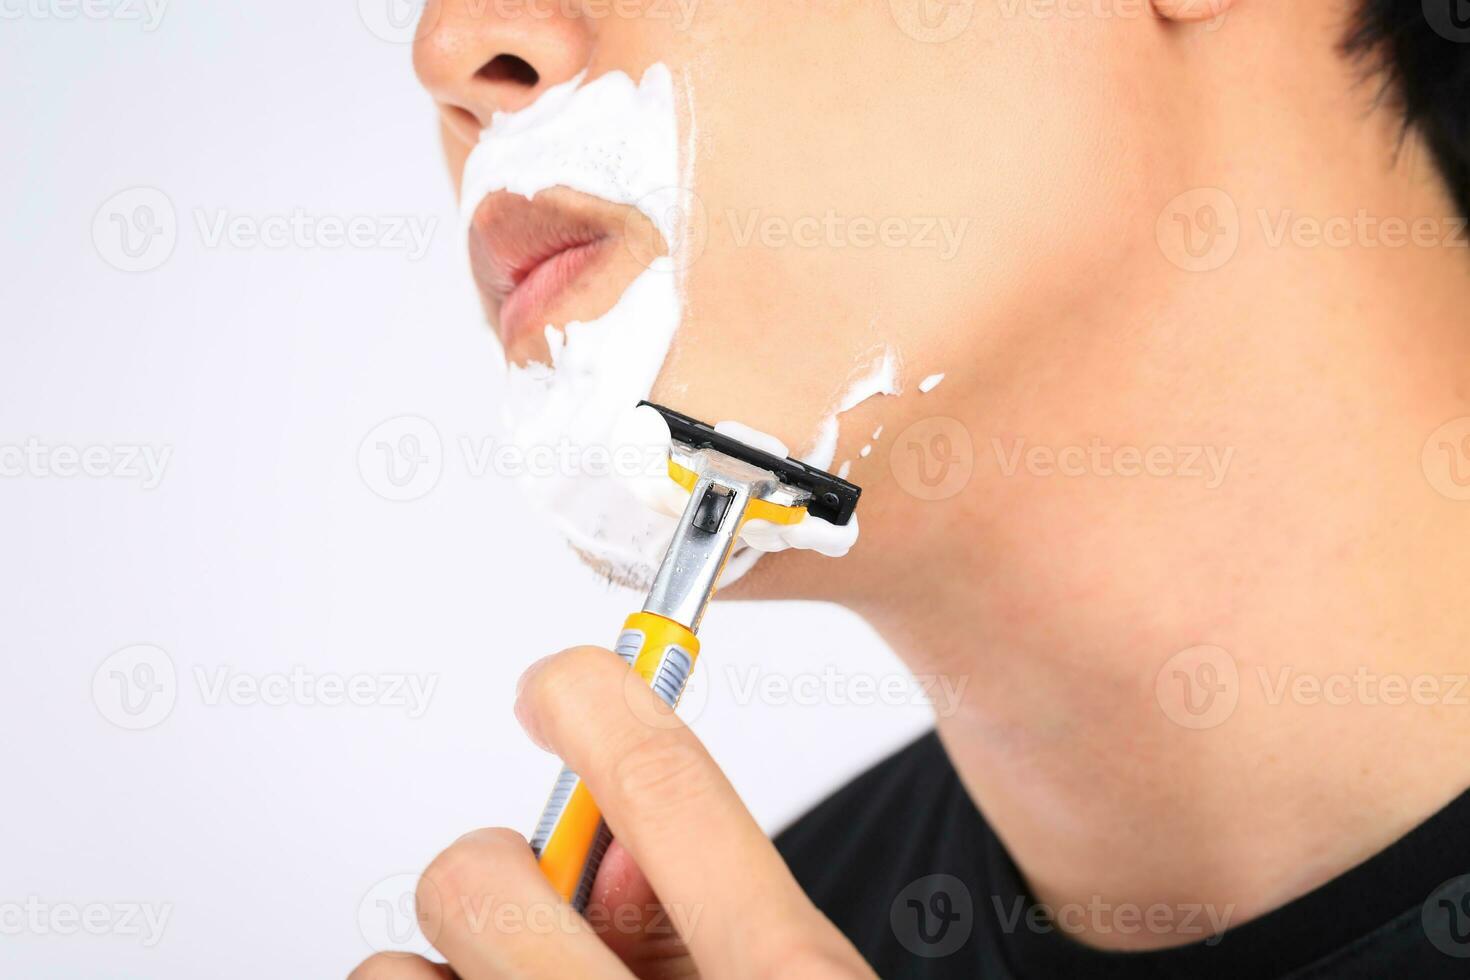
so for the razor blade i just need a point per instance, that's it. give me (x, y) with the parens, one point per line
(729, 483)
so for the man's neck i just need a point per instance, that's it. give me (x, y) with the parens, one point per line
(1222, 674)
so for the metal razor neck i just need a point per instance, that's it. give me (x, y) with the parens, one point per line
(702, 543)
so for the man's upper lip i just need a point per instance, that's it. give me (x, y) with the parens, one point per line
(514, 235)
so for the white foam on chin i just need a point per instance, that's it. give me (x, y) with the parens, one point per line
(584, 403)
(602, 463)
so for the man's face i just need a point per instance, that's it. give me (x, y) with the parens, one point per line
(935, 178)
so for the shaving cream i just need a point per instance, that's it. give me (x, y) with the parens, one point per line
(608, 488)
(609, 138)
(617, 140)
(930, 383)
(878, 376)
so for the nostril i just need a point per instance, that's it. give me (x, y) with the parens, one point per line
(509, 68)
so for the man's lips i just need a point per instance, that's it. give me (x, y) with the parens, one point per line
(542, 285)
(526, 255)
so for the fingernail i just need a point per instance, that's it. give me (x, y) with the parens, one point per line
(523, 711)
(527, 674)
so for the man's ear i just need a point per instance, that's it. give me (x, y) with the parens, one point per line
(1192, 11)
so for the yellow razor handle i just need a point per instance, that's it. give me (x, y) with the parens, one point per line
(571, 837)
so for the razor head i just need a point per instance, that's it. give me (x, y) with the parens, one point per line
(829, 497)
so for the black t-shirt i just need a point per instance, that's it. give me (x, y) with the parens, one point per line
(908, 869)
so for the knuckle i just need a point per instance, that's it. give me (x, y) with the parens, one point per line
(803, 958)
(785, 936)
(664, 771)
(382, 966)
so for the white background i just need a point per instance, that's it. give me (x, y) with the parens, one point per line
(261, 830)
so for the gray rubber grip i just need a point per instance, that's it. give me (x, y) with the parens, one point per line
(628, 645)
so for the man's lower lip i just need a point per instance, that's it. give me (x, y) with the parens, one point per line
(523, 311)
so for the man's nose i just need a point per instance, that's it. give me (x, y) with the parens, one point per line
(479, 57)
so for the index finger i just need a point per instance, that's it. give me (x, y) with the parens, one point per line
(721, 879)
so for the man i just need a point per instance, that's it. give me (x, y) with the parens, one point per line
(1190, 508)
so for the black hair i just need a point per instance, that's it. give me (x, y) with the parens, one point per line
(1422, 48)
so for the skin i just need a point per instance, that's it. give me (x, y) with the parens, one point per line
(1065, 602)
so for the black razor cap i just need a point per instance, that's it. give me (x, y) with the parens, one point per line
(833, 498)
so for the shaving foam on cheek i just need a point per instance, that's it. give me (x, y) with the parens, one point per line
(878, 376)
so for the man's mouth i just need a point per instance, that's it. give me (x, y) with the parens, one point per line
(529, 257)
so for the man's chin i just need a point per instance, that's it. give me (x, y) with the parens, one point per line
(623, 576)
(756, 583)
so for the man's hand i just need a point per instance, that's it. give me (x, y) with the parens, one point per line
(691, 886)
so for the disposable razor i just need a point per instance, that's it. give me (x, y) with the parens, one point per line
(729, 483)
